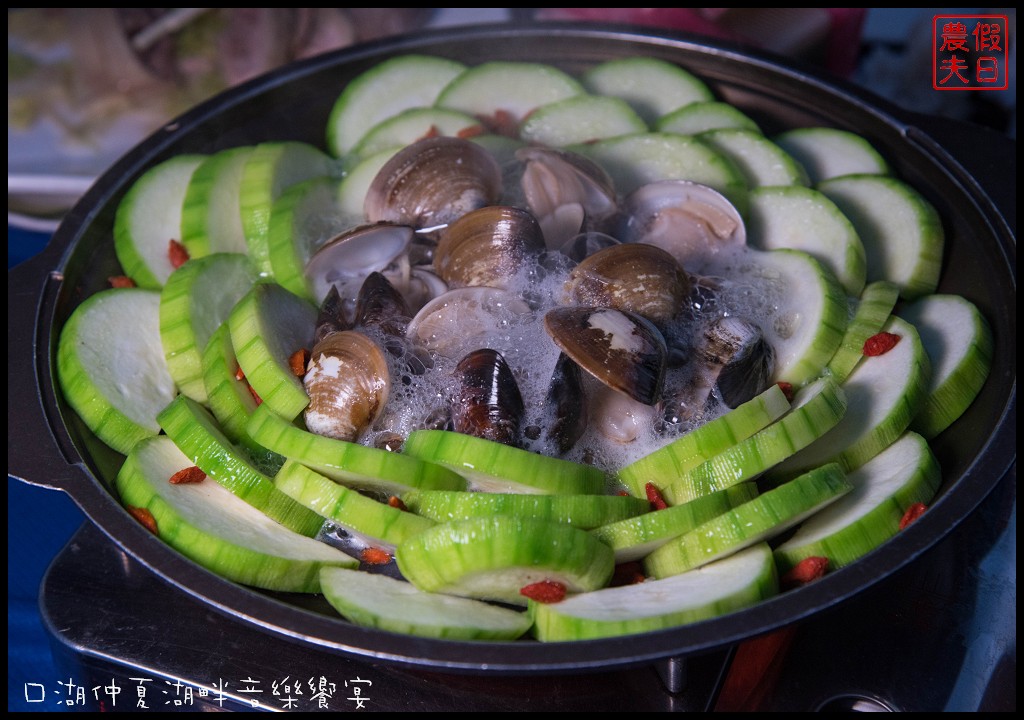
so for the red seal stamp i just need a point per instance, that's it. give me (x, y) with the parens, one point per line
(969, 52)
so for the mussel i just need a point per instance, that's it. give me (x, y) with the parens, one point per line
(486, 400)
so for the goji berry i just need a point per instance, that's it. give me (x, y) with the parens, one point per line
(177, 254)
(470, 132)
(655, 497)
(257, 398)
(145, 518)
(545, 591)
(396, 502)
(805, 571)
(298, 362)
(787, 389)
(880, 344)
(913, 513)
(121, 281)
(375, 556)
(187, 476)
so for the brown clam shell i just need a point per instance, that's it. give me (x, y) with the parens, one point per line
(348, 383)
(487, 247)
(621, 349)
(635, 277)
(432, 182)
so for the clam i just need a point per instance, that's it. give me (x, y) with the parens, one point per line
(433, 182)
(636, 277)
(567, 192)
(621, 349)
(353, 254)
(690, 221)
(348, 383)
(733, 356)
(486, 401)
(585, 244)
(488, 247)
(618, 417)
(465, 317)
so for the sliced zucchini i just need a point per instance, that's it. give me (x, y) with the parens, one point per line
(901, 231)
(513, 89)
(197, 434)
(959, 344)
(762, 162)
(196, 300)
(718, 588)
(873, 310)
(699, 117)
(829, 152)
(580, 511)
(490, 466)
(800, 218)
(378, 601)
(635, 538)
(883, 395)
(652, 87)
(765, 517)
(149, 217)
(267, 326)
(272, 168)
(409, 126)
(111, 366)
(349, 463)
(398, 84)
(816, 409)
(884, 488)
(211, 219)
(663, 466)
(213, 527)
(493, 558)
(580, 119)
(377, 523)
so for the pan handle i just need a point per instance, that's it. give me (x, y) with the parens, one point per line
(35, 455)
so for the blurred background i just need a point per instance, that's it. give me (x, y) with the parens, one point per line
(84, 86)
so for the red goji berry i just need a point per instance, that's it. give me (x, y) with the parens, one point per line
(545, 591)
(145, 518)
(177, 254)
(913, 513)
(121, 281)
(880, 344)
(375, 556)
(396, 502)
(298, 362)
(470, 132)
(239, 375)
(805, 571)
(187, 476)
(787, 389)
(655, 497)
(257, 398)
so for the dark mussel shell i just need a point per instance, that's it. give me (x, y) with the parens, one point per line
(486, 402)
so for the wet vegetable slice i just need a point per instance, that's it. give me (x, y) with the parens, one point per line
(223, 533)
(493, 467)
(378, 601)
(766, 516)
(884, 488)
(111, 366)
(494, 557)
(873, 310)
(717, 588)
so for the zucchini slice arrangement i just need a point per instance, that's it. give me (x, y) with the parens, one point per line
(593, 346)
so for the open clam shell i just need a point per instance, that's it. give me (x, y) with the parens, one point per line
(621, 349)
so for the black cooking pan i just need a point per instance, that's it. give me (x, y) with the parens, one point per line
(966, 172)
